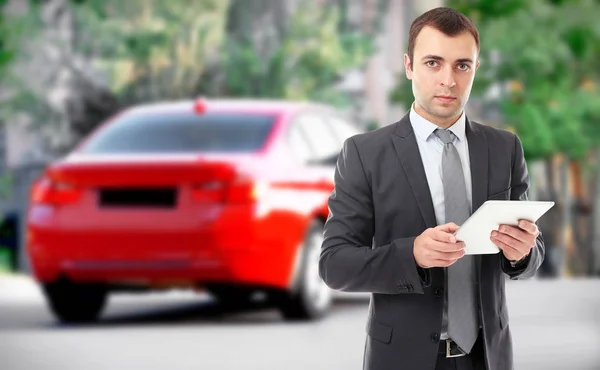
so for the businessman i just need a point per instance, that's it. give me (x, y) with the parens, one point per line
(400, 193)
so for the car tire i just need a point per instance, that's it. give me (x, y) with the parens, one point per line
(75, 303)
(310, 298)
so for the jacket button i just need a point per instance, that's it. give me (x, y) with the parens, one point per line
(439, 292)
(435, 337)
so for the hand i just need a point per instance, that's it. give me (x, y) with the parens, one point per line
(516, 242)
(437, 247)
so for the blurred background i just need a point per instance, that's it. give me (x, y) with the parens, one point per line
(66, 66)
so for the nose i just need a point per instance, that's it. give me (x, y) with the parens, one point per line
(448, 78)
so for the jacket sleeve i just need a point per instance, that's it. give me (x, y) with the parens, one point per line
(520, 185)
(348, 260)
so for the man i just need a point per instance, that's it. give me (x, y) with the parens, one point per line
(401, 192)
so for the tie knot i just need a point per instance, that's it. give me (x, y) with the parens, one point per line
(445, 135)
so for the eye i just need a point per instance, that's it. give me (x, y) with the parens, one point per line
(464, 67)
(431, 63)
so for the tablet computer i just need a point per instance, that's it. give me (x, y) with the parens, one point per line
(476, 230)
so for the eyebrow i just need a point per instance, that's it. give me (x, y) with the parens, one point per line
(437, 57)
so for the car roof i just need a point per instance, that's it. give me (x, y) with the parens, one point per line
(266, 106)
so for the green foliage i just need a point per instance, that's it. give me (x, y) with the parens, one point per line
(534, 130)
(590, 103)
(544, 55)
(551, 54)
(402, 93)
(304, 65)
(484, 10)
(164, 50)
(151, 49)
(139, 51)
(7, 52)
(16, 31)
(7, 182)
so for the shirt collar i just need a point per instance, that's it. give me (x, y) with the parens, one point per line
(424, 128)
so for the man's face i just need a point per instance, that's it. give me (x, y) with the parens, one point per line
(443, 69)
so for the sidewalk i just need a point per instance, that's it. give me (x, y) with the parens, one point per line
(21, 288)
(18, 288)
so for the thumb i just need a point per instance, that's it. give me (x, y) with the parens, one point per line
(449, 227)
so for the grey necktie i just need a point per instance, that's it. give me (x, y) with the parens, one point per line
(462, 318)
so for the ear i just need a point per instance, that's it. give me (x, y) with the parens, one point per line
(477, 65)
(407, 67)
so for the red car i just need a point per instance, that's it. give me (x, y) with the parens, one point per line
(226, 196)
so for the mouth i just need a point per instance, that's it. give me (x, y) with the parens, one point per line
(445, 99)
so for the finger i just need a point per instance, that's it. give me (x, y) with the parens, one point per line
(442, 263)
(443, 236)
(529, 227)
(509, 252)
(446, 256)
(516, 233)
(450, 227)
(438, 246)
(510, 241)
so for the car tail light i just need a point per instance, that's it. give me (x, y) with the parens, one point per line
(211, 192)
(242, 190)
(46, 191)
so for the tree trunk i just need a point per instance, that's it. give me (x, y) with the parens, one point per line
(552, 265)
(581, 211)
(595, 219)
(565, 224)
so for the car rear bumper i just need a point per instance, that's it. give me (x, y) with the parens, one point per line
(190, 264)
(246, 251)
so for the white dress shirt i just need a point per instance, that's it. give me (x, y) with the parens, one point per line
(431, 148)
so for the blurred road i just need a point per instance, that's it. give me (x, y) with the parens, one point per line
(555, 325)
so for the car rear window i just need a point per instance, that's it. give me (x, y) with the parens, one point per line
(176, 133)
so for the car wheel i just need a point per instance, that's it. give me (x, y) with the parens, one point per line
(75, 303)
(311, 298)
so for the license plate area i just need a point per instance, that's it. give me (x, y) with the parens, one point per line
(163, 197)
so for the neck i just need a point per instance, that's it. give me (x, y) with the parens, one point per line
(442, 122)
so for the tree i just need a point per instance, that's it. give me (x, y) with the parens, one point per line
(150, 50)
(89, 59)
(291, 59)
(6, 53)
(542, 57)
(554, 105)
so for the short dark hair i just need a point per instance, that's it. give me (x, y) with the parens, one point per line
(446, 20)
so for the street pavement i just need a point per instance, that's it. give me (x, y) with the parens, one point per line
(555, 325)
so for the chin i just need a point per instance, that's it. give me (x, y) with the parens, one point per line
(446, 113)
(449, 110)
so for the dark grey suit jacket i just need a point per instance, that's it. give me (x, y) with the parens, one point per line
(380, 204)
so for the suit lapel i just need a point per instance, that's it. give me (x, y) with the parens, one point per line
(405, 143)
(478, 157)
(407, 150)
